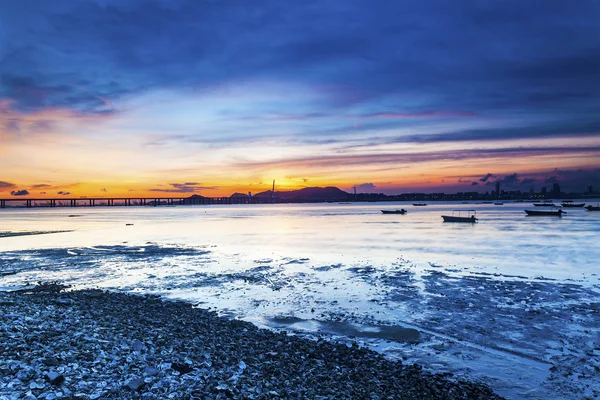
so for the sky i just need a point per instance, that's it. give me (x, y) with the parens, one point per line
(105, 98)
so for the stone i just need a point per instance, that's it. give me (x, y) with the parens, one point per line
(182, 368)
(36, 385)
(137, 346)
(54, 378)
(135, 384)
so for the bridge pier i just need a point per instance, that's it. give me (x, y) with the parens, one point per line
(2, 203)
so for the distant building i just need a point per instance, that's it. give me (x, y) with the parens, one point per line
(590, 189)
(544, 191)
(555, 188)
(497, 189)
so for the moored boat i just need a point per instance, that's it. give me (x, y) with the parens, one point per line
(402, 211)
(458, 216)
(419, 204)
(549, 213)
(544, 204)
(499, 203)
(593, 208)
(569, 204)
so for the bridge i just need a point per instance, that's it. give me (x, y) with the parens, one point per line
(124, 201)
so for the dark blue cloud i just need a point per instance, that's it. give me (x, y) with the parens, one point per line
(528, 181)
(19, 193)
(488, 59)
(486, 177)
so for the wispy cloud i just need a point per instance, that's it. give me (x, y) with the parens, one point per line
(422, 157)
(187, 187)
(7, 185)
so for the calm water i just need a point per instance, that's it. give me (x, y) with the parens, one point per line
(502, 300)
(504, 241)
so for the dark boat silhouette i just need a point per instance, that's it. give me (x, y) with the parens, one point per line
(402, 211)
(593, 208)
(552, 213)
(568, 204)
(419, 204)
(544, 204)
(457, 216)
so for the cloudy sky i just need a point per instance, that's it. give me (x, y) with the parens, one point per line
(109, 97)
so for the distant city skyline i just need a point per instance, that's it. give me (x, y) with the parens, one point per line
(150, 97)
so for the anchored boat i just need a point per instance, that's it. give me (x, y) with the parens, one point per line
(553, 213)
(459, 216)
(544, 204)
(570, 204)
(402, 211)
(593, 208)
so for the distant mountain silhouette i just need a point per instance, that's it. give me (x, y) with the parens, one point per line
(329, 193)
(194, 199)
(237, 194)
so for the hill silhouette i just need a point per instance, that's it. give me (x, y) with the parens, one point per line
(329, 193)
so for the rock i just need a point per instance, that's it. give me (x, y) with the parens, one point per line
(137, 346)
(63, 301)
(54, 378)
(150, 371)
(51, 361)
(135, 384)
(36, 385)
(182, 368)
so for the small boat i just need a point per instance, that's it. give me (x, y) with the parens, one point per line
(419, 204)
(486, 202)
(458, 216)
(402, 211)
(544, 204)
(553, 213)
(567, 204)
(499, 204)
(593, 208)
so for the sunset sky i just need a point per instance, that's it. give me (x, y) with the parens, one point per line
(111, 97)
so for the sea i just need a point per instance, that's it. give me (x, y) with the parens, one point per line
(512, 300)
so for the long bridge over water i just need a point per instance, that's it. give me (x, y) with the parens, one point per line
(126, 201)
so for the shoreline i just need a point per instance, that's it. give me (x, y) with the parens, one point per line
(91, 344)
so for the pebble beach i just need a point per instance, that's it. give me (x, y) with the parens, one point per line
(93, 344)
